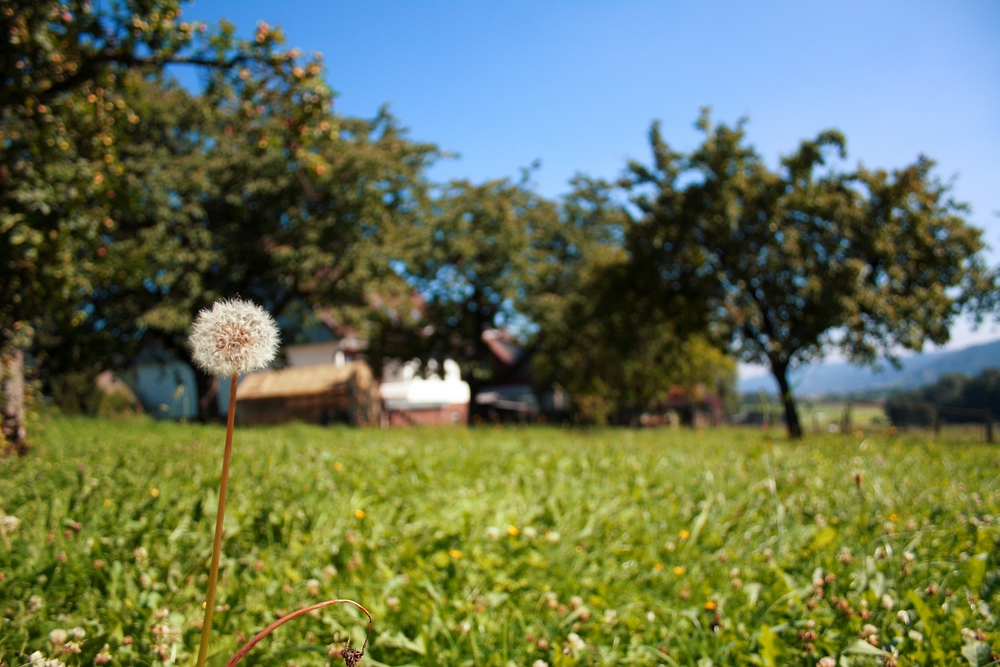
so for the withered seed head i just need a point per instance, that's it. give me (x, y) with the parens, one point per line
(351, 656)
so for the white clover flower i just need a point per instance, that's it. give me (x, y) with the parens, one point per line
(58, 637)
(9, 523)
(234, 337)
(575, 642)
(104, 657)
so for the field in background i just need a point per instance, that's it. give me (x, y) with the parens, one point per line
(831, 413)
(503, 546)
(869, 417)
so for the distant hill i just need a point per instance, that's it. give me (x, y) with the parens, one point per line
(916, 371)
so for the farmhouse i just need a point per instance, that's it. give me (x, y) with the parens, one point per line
(409, 399)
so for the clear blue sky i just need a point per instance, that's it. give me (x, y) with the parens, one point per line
(576, 84)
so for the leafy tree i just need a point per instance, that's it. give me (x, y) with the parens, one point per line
(64, 107)
(498, 255)
(484, 255)
(255, 187)
(787, 263)
(616, 358)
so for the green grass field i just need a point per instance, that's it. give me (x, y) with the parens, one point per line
(501, 546)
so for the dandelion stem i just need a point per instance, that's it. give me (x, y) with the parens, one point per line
(213, 575)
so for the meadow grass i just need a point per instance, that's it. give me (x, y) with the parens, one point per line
(501, 546)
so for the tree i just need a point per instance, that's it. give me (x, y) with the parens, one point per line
(483, 257)
(254, 188)
(64, 72)
(555, 273)
(616, 358)
(954, 390)
(786, 263)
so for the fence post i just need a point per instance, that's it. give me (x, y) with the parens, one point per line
(937, 422)
(989, 428)
(845, 419)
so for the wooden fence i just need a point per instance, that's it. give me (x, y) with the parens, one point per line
(936, 412)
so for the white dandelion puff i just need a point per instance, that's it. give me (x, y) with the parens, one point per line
(234, 337)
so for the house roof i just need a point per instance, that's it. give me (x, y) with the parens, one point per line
(501, 344)
(302, 381)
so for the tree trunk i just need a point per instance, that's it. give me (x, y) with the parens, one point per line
(474, 387)
(12, 414)
(780, 372)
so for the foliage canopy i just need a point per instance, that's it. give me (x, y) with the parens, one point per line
(785, 263)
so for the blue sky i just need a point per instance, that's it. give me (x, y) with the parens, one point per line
(577, 84)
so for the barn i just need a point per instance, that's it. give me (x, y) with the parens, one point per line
(322, 394)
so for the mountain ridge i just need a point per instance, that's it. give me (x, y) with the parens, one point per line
(915, 371)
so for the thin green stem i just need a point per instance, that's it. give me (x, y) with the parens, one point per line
(213, 575)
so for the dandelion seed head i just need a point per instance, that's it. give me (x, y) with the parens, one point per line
(235, 336)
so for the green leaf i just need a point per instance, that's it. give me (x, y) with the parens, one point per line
(401, 641)
(768, 646)
(822, 538)
(860, 647)
(977, 653)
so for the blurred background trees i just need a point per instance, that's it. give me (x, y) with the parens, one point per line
(128, 203)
